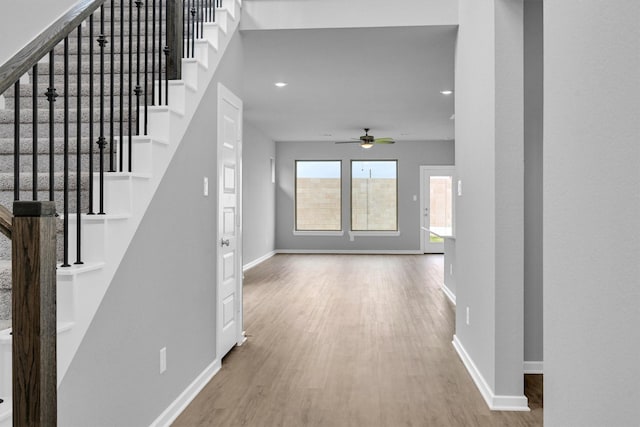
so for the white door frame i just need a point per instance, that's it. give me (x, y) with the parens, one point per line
(225, 95)
(424, 171)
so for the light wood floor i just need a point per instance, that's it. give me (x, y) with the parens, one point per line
(346, 340)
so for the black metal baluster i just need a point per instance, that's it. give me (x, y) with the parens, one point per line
(185, 28)
(153, 54)
(202, 6)
(121, 140)
(65, 173)
(160, 53)
(102, 142)
(51, 97)
(188, 25)
(193, 30)
(166, 75)
(34, 133)
(129, 84)
(146, 64)
(111, 100)
(138, 89)
(197, 20)
(78, 146)
(91, 211)
(16, 141)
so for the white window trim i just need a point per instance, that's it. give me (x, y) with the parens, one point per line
(364, 233)
(318, 233)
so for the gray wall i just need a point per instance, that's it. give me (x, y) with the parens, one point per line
(21, 21)
(533, 74)
(489, 214)
(410, 156)
(163, 293)
(258, 195)
(591, 213)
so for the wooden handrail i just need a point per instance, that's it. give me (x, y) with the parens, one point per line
(6, 221)
(22, 62)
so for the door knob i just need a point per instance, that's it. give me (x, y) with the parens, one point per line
(224, 242)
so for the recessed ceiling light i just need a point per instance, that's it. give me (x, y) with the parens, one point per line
(280, 84)
(446, 92)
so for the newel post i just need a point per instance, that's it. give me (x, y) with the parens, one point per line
(175, 38)
(34, 314)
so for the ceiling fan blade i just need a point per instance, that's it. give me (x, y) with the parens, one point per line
(347, 142)
(384, 141)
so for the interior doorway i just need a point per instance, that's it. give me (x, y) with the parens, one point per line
(436, 207)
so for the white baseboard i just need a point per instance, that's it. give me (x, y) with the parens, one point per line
(533, 367)
(350, 251)
(177, 406)
(449, 294)
(494, 402)
(257, 261)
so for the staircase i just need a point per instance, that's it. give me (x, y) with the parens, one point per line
(104, 238)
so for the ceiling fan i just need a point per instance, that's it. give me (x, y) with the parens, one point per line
(367, 141)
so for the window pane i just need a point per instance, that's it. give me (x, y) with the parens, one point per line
(374, 195)
(318, 195)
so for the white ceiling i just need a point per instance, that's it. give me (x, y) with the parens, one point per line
(342, 80)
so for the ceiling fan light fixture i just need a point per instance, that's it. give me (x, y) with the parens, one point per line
(280, 84)
(366, 145)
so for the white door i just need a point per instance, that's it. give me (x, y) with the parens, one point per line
(229, 236)
(436, 207)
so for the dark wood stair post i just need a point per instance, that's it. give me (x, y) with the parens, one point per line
(34, 314)
(175, 38)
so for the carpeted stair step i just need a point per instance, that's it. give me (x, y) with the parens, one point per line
(26, 102)
(7, 131)
(26, 115)
(26, 146)
(85, 62)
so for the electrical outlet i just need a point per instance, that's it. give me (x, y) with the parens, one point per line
(451, 269)
(459, 187)
(206, 186)
(467, 316)
(163, 359)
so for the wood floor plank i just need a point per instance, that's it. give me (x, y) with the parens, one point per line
(346, 340)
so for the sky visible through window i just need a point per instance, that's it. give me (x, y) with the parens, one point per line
(318, 169)
(373, 169)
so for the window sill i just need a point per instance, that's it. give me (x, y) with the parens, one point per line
(354, 234)
(318, 233)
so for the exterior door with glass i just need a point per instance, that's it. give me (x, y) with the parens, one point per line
(436, 207)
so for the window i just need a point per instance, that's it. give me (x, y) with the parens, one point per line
(374, 195)
(318, 195)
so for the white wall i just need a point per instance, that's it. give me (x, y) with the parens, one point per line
(591, 213)
(489, 214)
(410, 155)
(21, 21)
(281, 14)
(258, 195)
(533, 89)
